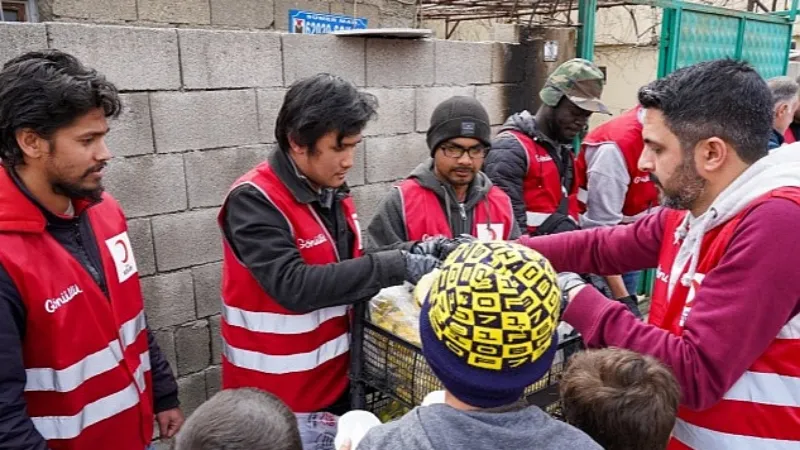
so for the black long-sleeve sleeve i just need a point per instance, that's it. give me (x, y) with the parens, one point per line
(262, 239)
(165, 387)
(16, 428)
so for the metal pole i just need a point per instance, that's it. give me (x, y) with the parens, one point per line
(586, 17)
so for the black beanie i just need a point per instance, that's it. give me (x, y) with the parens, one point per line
(459, 117)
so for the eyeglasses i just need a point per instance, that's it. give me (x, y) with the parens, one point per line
(453, 150)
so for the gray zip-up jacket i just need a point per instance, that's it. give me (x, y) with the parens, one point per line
(388, 226)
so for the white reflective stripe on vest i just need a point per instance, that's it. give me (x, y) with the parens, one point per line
(791, 330)
(68, 427)
(282, 364)
(583, 195)
(69, 378)
(535, 219)
(700, 438)
(130, 330)
(144, 366)
(766, 388)
(264, 322)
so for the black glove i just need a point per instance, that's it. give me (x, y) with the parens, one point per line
(447, 247)
(418, 265)
(632, 302)
(440, 247)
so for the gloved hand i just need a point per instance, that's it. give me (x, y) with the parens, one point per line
(418, 265)
(568, 281)
(632, 302)
(440, 247)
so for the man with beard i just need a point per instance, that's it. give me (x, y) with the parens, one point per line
(78, 366)
(725, 315)
(532, 158)
(448, 195)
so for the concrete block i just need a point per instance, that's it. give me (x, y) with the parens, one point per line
(269, 104)
(230, 59)
(389, 20)
(18, 38)
(142, 241)
(175, 11)
(193, 347)
(370, 12)
(394, 157)
(216, 339)
(494, 99)
(282, 8)
(336, 55)
(395, 112)
(242, 13)
(367, 198)
(187, 239)
(355, 177)
(166, 342)
(209, 174)
(192, 392)
(96, 10)
(134, 58)
(169, 299)
(132, 133)
(146, 185)
(207, 296)
(427, 99)
(508, 62)
(197, 120)
(460, 62)
(213, 380)
(397, 62)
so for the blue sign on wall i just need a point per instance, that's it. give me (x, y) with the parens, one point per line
(309, 22)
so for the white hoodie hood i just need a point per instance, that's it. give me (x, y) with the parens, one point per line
(780, 168)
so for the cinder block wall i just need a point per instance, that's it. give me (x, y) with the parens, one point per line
(200, 109)
(259, 14)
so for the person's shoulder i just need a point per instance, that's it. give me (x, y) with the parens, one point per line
(775, 216)
(560, 435)
(397, 434)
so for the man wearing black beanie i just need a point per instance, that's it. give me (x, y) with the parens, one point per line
(448, 195)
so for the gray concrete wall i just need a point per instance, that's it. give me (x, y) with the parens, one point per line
(200, 108)
(259, 14)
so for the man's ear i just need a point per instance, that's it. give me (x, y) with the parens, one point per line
(713, 153)
(33, 146)
(296, 148)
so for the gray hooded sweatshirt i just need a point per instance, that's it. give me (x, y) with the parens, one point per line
(388, 227)
(441, 427)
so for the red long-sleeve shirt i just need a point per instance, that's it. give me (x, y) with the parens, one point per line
(737, 312)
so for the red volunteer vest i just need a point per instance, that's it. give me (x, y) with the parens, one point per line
(626, 132)
(85, 355)
(424, 217)
(758, 411)
(301, 358)
(542, 190)
(789, 137)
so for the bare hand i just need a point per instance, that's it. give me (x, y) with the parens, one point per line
(169, 422)
(346, 446)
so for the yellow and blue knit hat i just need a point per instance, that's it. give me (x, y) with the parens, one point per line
(488, 326)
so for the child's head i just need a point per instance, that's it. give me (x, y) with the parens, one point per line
(240, 419)
(623, 400)
(488, 326)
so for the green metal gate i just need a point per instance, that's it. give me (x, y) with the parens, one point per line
(691, 33)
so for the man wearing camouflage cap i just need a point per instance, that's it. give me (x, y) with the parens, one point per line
(532, 157)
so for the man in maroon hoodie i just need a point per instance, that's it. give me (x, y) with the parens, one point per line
(726, 305)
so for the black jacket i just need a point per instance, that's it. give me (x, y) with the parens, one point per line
(507, 163)
(16, 429)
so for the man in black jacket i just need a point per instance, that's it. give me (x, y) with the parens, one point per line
(45, 99)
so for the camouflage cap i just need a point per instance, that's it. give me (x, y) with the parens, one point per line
(578, 79)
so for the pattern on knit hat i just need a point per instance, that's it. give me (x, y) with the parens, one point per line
(495, 305)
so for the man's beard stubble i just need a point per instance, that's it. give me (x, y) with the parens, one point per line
(690, 186)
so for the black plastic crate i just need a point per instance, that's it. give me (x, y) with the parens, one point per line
(397, 377)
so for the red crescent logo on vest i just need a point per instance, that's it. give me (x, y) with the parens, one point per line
(121, 243)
